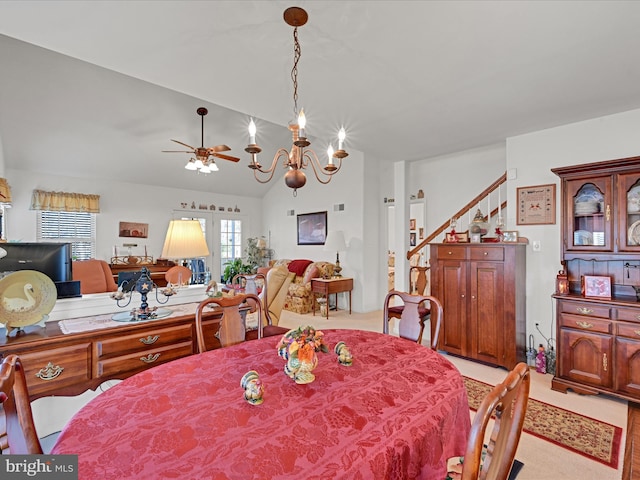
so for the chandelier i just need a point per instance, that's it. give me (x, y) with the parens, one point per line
(299, 156)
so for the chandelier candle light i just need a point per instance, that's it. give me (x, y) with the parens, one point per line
(296, 160)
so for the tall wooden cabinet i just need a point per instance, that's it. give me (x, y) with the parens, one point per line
(598, 339)
(482, 290)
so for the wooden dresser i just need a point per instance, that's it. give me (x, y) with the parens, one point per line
(598, 337)
(69, 364)
(482, 290)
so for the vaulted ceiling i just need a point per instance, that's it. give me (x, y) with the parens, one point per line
(115, 81)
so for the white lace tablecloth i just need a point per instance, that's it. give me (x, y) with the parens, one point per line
(98, 322)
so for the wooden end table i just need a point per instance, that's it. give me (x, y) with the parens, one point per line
(334, 285)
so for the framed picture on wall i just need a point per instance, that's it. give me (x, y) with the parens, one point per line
(412, 224)
(537, 205)
(133, 229)
(312, 228)
(412, 239)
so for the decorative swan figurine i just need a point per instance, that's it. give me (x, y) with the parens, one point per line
(18, 304)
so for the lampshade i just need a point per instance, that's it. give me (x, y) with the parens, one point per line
(335, 241)
(184, 240)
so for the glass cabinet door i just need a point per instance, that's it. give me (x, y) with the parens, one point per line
(629, 211)
(589, 215)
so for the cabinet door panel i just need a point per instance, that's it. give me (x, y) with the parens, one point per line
(454, 304)
(629, 212)
(586, 357)
(628, 366)
(487, 311)
(589, 213)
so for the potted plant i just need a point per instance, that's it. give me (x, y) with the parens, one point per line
(233, 268)
(254, 254)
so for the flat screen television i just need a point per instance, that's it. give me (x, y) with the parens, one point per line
(52, 259)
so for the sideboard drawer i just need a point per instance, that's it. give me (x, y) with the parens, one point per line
(629, 330)
(452, 252)
(584, 308)
(588, 324)
(126, 365)
(487, 253)
(56, 368)
(629, 314)
(150, 339)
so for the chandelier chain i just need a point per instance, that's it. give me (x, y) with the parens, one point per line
(294, 71)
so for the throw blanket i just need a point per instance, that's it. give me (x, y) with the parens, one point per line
(299, 266)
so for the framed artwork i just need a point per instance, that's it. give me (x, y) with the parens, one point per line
(133, 229)
(510, 236)
(412, 239)
(457, 237)
(537, 205)
(312, 228)
(596, 286)
(412, 224)
(421, 230)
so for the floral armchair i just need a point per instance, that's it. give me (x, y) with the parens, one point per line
(299, 298)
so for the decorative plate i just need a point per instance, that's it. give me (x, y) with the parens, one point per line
(589, 193)
(633, 200)
(27, 297)
(633, 235)
(582, 237)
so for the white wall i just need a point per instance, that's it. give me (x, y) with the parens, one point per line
(126, 202)
(346, 187)
(533, 155)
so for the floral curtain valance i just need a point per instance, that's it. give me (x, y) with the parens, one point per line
(5, 192)
(65, 202)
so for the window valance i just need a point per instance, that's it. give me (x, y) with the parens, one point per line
(65, 202)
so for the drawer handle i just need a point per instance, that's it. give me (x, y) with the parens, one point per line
(150, 358)
(608, 212)
(584, 310)
(150, 340)
(485, 253)
(449, 252)
(50, 372)
(637, 332)
(604, 362)
(584, 324)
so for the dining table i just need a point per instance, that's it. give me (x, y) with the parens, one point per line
(399, 411)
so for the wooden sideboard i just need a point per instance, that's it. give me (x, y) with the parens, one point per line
(482, 290)
(156, 271)
(69, 364)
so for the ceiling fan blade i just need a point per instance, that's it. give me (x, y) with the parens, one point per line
(177, 151)
(225, 157)
(218, 148)
(181, 143)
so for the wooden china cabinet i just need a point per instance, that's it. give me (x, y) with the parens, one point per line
(598, 337)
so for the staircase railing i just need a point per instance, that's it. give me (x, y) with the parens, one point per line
(472, 203)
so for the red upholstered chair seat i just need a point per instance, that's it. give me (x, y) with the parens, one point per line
(396, 311)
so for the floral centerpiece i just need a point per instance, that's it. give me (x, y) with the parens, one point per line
(299, 347)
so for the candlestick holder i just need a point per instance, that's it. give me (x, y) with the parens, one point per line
(142, 284)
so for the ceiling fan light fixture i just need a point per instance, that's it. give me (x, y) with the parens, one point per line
(205, 169)
(213, 167)
(299, 156)
(191, 165)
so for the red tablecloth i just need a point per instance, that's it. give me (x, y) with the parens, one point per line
(399, 412)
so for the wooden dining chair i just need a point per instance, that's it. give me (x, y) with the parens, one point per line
(178, 275)
(411, 323)
(19, 434)
(418, 283)
(231, 324)
(269, 327)
(507, 403)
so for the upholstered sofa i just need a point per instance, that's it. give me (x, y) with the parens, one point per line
(299, 298)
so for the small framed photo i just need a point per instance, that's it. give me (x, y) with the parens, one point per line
(463, 237)
(412, 224)
(476, 238)
(510, 236)
(412, 239)
(596, 286)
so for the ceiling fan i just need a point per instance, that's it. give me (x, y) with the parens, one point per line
(202, 161)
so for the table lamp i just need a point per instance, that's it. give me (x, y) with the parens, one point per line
(184, 240)
(335, 243)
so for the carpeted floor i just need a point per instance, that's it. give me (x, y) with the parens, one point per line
(592, 438)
